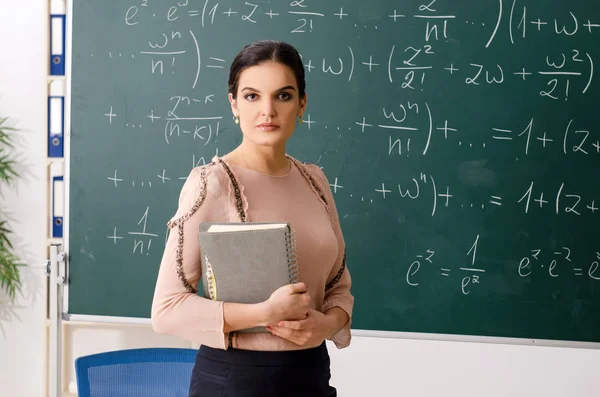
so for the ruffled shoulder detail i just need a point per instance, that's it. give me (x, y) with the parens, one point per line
(196, 179)
(197, 185)
(236, 190)
(338, 275)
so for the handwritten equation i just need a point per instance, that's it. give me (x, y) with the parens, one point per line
(404, 123)
(517, 23)
(471, 273)
(557, 263)
(163, 177)
(562, 199)
(538, 262)
(561, 73)
(139, 238)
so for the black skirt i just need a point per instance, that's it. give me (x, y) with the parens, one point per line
(245, 373)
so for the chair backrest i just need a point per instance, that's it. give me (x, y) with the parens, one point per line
(151, 372)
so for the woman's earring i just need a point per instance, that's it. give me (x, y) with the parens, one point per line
(299, 119)
(236, 119)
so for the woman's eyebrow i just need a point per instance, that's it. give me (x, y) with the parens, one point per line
(287, 87)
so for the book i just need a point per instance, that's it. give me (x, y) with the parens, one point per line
(246, 262)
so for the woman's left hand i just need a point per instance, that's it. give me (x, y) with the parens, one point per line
(310, 332)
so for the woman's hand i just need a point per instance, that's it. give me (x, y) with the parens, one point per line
(308, 332)
(288, 302)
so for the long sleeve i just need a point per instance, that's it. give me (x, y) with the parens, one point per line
(337, 289)
(176, 308)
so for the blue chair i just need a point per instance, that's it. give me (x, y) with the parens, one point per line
(151, 372)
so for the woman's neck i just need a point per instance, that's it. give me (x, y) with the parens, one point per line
(268, 160)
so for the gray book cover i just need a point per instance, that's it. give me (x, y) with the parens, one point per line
(246, 262)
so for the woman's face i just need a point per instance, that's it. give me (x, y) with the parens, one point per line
(267, 103)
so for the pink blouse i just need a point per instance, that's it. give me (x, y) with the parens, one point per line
(220, 192)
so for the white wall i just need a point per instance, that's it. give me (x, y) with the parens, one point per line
(400, 367)
(370, 366)
(22, 98)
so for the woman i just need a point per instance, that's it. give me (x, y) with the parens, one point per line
(259, 182)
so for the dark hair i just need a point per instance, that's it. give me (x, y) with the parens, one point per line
(262, 51)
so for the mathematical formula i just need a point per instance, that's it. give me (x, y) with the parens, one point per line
(538, 262)
(139, 238)
(471, 273)
(561, 72)
(562, 199)
(559, 75)
(520, 22)
(411, 128)
(558, 262)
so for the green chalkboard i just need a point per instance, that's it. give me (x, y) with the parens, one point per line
(461, 139)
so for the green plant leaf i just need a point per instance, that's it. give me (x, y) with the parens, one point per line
(10, 264)
(10, 274)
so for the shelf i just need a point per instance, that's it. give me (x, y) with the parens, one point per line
(51, 241)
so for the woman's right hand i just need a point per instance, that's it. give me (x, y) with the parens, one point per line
(290, 302)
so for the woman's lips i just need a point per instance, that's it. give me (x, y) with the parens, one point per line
(267, 127)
